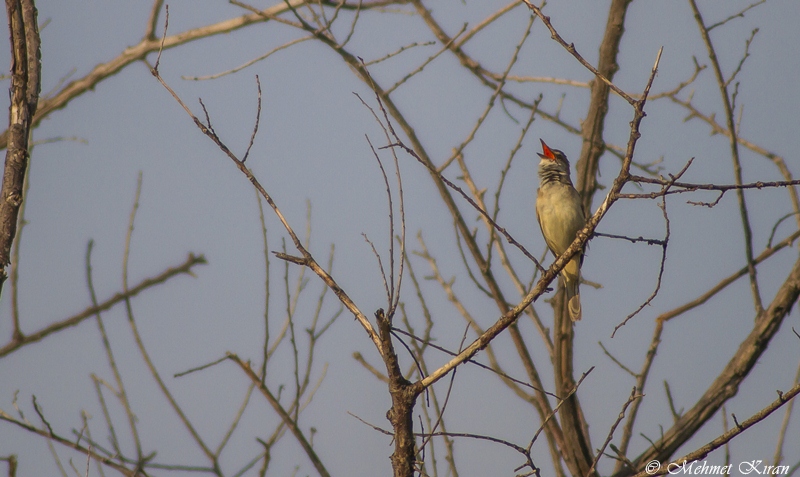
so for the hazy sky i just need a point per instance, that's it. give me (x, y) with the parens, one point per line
(311, 149)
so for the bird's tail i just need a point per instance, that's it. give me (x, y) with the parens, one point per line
(572, 280)
(574, 305)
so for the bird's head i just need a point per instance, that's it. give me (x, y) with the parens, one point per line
(554, 166)
(552, 155)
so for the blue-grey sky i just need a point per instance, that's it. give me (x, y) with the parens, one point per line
(311, 149)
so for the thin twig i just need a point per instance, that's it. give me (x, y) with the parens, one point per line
(734, 146)
(199, 368)
(641, 380)
(767, 253)
(498, 371)
(184, 268)
(633, 397)
(290, 423)
(398, 51)
(664, 243)
(558, 406)
(249, 63)
(616, 361)
(457, 152)
(423, 65)
(739, 14)
(262, 220)
(68, 443)
(374, 371)
(120, 392)
(140, 459)
(723, 439)
(388, 285)
(683, 187)
(778, 458)
(308, 259)
(236, 419)
(258, 119)
(574, 52)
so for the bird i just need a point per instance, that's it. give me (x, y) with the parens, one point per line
(560, 213)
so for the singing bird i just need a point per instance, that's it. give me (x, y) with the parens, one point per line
(560, 213)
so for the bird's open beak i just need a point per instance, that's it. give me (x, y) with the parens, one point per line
(546, 152)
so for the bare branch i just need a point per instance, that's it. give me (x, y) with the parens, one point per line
(739, 14)
(398, 51)
(120, 392)
(484, 23)
(734, 146)
(767, 253)
(616, 361)
(778, 458)
(574, 52)
(68, 443)
(664, 243)
(284, 415)
(683, 187)
(255, 126)
(152, 20)
(24, 97)
(249, 63)
(641, 380)
(422, 66)
(723, 439)
(185, 267)
(307, 259)
(727, 382)
(633, 397)
(140, 458)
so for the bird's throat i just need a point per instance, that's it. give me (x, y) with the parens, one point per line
(549, 173)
